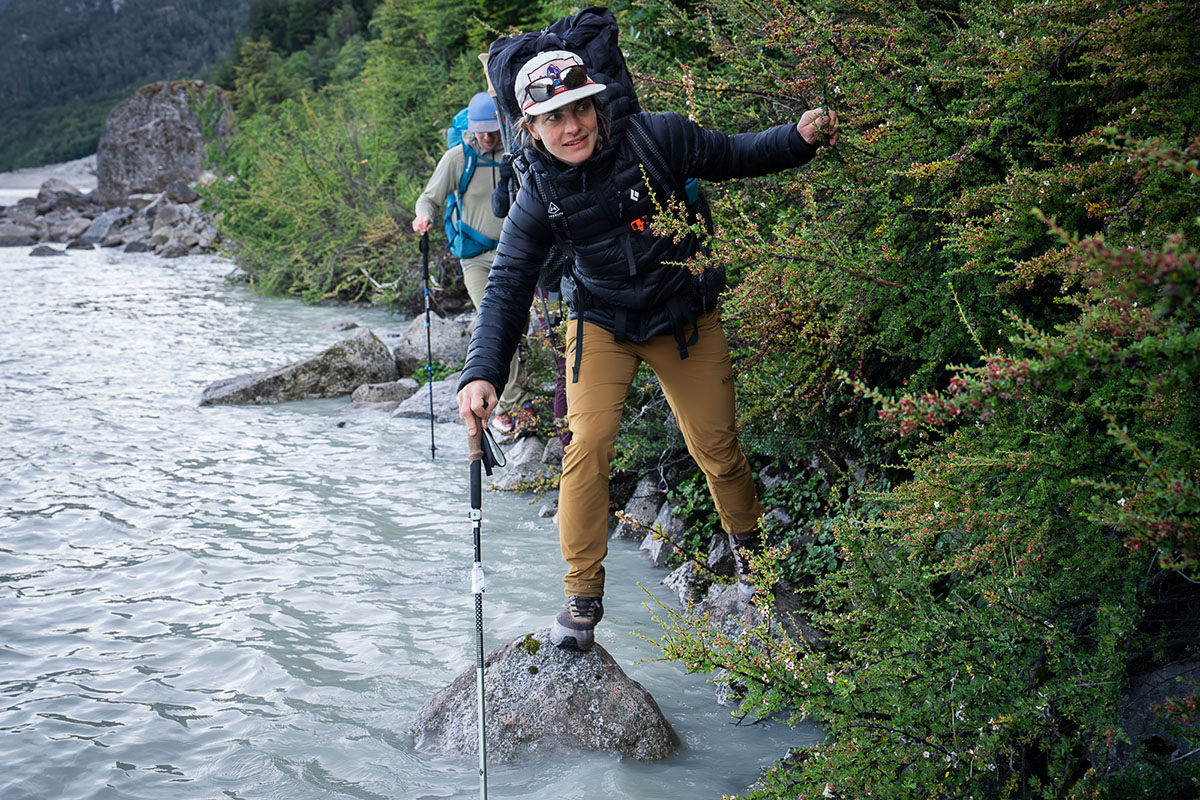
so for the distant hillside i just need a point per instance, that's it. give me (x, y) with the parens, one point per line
(65, 63)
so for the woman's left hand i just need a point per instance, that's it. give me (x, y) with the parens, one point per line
(819, 127)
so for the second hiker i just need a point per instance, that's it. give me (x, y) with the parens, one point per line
(460, 191)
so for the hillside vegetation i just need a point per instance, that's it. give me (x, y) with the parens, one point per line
(966, 337)
(65, 63)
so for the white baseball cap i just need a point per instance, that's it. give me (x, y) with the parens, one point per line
(558, 77)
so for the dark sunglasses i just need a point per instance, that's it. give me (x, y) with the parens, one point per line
(555, 82)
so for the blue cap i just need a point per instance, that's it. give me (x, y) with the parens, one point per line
(481, 114)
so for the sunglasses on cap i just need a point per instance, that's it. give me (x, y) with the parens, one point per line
(555, 82)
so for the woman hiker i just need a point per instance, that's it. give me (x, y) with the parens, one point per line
(483, 137)
(629, 302)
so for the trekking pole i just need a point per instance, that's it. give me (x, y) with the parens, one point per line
(480, 457)
(428, 342)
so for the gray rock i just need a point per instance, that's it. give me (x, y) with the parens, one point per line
(105, 222)
(77, 227)
(445, 401)
(337, 371)
(553, 454)
(540, 699)
(548, 509)
(17, 235)
(391, 392)
(720, 554)
(56, 186)
(154, 137)
(138, 246)
(80, 246)
(689, 582)
(527, 450)
(530, 476)
(46, 250)
(1145, 728)
(448, 339)
(180, 192)
(641, 510)
(178, 250)
(659, 543)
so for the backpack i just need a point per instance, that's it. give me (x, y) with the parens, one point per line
(593, 34)
(461, 239)
(458, 126)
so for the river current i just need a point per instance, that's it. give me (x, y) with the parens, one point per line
(252, 602)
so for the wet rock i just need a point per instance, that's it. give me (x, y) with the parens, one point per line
(138, 246)
(17, 235)
(390, 392)
(529, 476)
(46, 250)
(445, 402)
(154, 137)
(641, 510)
(105, 222)
(689, 583)
(540, 699)
(337, 371)
(78, 245)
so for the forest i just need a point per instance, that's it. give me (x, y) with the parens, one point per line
(966, 337)
(64, 65)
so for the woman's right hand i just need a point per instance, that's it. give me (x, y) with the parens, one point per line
(422, 225)
(475, 402)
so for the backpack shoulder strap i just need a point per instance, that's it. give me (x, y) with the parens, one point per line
(470, 159)
(646, 148)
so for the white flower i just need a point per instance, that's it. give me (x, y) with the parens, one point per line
(1121, 502)
(828, 790)
(937, 504)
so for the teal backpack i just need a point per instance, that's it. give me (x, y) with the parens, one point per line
(463, 240)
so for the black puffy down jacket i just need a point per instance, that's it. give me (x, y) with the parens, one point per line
(623, 279)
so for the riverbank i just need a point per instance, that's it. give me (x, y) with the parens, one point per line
(19, 183)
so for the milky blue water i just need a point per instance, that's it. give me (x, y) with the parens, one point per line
(253, 602)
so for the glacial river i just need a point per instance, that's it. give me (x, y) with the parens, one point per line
(252, 602)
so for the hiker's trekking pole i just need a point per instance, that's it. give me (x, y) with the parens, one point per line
(428, 342)
(481, 457)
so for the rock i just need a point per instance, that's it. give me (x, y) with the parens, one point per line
(553, 454)
(138, 246)
(78, 227)
(46, 250)
(641, 510)
(154, 137)
(531, 476)
(1148, 730)
(337, 371)
(180, 192)
(548, 509)
(689, 582)
(527, 450)
(659, 543)
(17, 235)
(80, 246)
(103, 223)
(445, 402)
(140, 201)
(391, 392)
(720, 554)
(448, 339)
(56, 186)
(178, 250)
(165, 215)
(540, 699)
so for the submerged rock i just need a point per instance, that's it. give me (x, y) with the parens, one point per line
(338, 371)
(540, 698)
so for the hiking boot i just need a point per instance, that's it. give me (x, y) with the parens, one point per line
(503, 423)
(574, 626)
(742, 546)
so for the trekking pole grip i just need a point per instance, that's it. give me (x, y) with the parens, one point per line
(475, 443)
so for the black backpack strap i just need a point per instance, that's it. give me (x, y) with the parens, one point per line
(651, 157)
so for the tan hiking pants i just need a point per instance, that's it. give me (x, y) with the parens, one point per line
(475, 272)
(699, 390)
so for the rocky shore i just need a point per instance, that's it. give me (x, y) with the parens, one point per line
(137, 193)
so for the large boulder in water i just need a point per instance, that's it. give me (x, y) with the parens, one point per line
(540, 698)
(155, 137)
(447, 341)
(338, 371)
